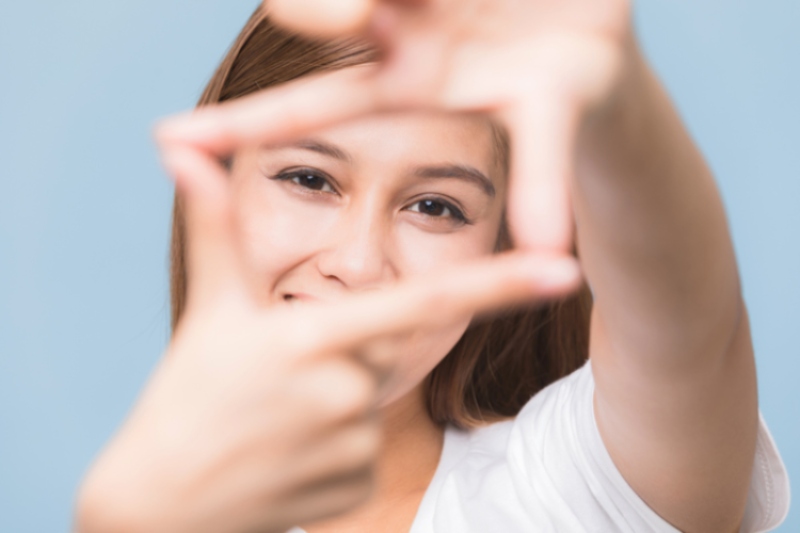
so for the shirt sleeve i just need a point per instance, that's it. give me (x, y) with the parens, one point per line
(556, 447)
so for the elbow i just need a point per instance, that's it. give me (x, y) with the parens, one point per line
(99, 508)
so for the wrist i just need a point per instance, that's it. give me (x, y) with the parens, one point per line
(625, 94)
(120, 495)
(617, 136)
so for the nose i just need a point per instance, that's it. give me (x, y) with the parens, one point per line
(357, 253)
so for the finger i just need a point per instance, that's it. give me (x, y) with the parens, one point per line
(335, 389)
(378, 356)
(279, 114)
(323, 499)
(329, 18)
(432, 301)
(341, 451)
(213, 261)
(321, 18)
(543, 132)
(414, 72)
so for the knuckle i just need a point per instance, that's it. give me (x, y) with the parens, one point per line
(440, 304)
(352, 450)
(299, 336)
(345, 391)
(359, 488)
(417, 300)
(355, 393)
(347, 492)
(378, 355)
(362, 445)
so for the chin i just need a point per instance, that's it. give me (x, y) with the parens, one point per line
(416, 357)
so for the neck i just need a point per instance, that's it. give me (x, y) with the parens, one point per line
(406, 463)
(412, 446)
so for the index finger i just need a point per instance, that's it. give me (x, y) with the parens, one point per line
(543, 145)
(321, 17)
(432, 301)
(276, 115)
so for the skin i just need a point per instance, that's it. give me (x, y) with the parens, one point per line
(604, 149)
(367, 227)
(266, 413)
(363, 230)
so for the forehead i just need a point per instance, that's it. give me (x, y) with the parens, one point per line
(416, 138)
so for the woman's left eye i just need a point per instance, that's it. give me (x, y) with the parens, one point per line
(438, 209)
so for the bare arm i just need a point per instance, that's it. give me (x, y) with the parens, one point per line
(676, 392)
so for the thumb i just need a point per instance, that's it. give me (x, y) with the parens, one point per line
(543, 144)
(214, 266)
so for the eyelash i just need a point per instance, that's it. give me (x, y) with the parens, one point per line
(299, 173)
(291, 175)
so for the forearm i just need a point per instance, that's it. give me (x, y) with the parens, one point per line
(672, 357)
(651, 228)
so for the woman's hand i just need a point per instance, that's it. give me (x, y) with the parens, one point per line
(671, 352)
(670, 348)
(260, 418)
(540, 66)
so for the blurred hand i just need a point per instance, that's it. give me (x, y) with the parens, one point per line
(260, 418)
(541, 67)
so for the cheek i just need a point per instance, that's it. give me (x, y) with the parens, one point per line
(422, 252)
(277, 233)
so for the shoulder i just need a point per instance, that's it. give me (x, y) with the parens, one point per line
(552, 456)
(537, 471)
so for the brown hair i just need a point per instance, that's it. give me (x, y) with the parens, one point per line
(497, 365)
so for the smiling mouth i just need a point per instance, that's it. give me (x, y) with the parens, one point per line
(296, 298)
(291, 300)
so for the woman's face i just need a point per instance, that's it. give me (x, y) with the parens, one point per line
(363, 205)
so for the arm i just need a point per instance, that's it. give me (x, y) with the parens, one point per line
(676, 392)
(262, 417)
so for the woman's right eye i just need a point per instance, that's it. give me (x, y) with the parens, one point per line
(307, 179)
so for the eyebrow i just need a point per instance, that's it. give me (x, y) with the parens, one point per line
(323, 148)
(463, 172)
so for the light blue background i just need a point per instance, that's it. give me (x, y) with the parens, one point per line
(84, 206)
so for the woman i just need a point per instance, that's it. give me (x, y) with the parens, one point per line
(262, 414)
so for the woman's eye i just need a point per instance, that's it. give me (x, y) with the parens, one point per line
(438, 209)
(308, 180)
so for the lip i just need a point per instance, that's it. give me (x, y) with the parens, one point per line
(298, 296)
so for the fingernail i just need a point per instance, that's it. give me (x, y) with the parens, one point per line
(174, 161)
(563, 273)
(554, 272)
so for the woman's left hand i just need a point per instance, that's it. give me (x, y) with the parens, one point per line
(539, 67)
(670, 346)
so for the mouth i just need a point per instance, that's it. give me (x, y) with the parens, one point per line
(290, 299)
(294, 298)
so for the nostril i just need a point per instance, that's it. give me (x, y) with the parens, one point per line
(288, 297)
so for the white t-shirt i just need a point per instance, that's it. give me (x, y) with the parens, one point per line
(547, 470)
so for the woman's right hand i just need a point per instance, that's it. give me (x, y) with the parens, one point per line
(259, 418)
